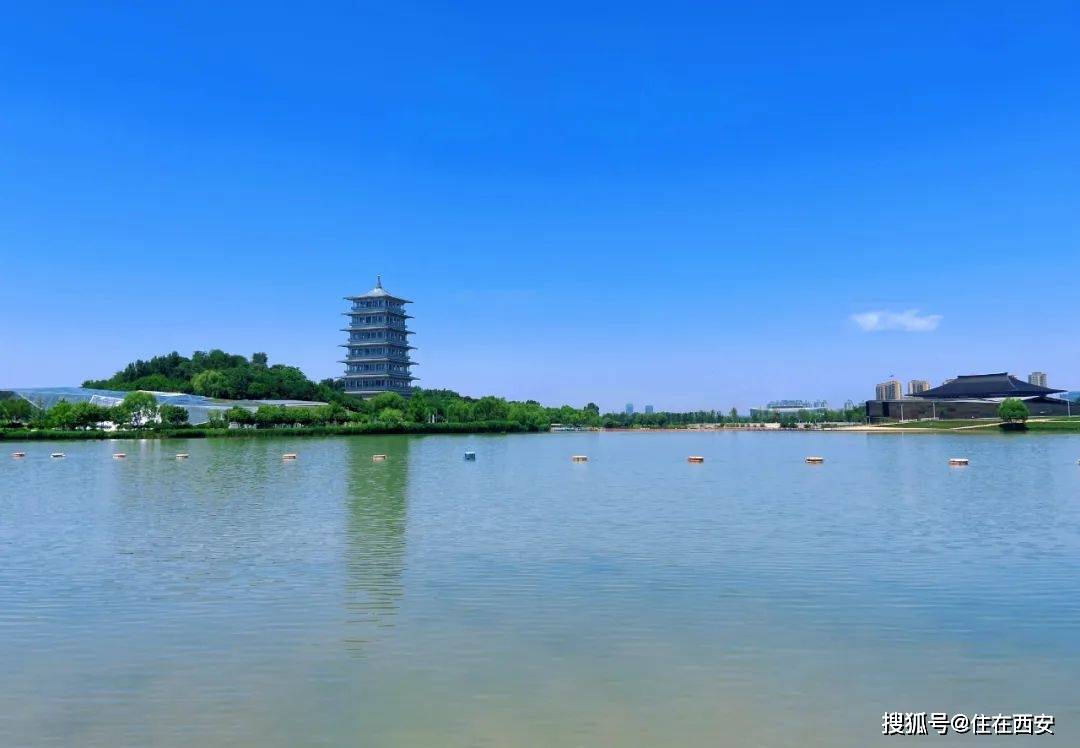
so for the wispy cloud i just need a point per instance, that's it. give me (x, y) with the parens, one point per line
(909, 320)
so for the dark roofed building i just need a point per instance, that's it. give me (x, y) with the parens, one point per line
(982, 386)
(969, 396)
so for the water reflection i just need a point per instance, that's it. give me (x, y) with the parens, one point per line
(375, 532)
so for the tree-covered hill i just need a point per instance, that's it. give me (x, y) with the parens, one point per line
(215, 374)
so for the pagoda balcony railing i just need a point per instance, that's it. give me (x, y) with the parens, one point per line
(377, 310)
(389, 359)
(376, 326)
(379, 375)
(386, 343)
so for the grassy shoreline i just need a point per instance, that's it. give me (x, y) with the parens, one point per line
(1056, 424)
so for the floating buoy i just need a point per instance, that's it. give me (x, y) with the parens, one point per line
(57, 455)
(289, 456)
(18, 455)
(958, 461)
(378, 458)
(815, 460)
(470, 456)
(182, 456)
(695, 459)
(119, 456)
(579, 458)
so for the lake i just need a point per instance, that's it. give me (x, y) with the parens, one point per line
(236, 599)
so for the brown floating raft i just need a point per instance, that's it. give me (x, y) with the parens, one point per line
(579, 458)
(958, 461)
(695, 459)
(814, 460)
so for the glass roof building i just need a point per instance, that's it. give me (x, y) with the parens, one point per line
(377, 349)
(197, 406)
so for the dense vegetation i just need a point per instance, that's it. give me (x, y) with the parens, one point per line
(214, 374)
(230, 376)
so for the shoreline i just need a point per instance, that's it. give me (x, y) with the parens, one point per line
(495, 427)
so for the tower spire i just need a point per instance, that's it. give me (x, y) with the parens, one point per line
(378, 281)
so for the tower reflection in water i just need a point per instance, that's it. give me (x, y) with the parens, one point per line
(376, 521)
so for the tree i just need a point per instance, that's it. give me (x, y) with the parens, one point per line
(88, 415)
(1013, 410)
(459, 411)
(61, 415)
(238, 415)
(173, 415)
(271, 415)
(137, 409)
(17, 410)
(211, 383)
(391, 415)
(491, 408)
(418, 409)
(387, 400)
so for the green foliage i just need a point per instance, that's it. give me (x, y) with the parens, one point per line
(391, 415)
(1013, 410)
(491, 408)
(137, 409)
(173, 415)
(16, 410)
(211, 383)
(215, 374)
(62, 416)
(88, 415)
(387, 400)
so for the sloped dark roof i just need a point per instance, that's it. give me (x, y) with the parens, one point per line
(986, 385)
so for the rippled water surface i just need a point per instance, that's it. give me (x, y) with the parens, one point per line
(522, 600)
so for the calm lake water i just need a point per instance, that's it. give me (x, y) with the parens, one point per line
(522, 600)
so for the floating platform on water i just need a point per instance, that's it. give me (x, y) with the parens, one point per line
(378, 458)
(289, 456)
(958, 461)
(696, 459)
(814, 460)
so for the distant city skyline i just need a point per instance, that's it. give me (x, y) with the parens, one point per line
(228, 190)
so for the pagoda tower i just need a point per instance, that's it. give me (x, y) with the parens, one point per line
(377, 349)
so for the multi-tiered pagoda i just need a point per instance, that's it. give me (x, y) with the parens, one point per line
(377, 357)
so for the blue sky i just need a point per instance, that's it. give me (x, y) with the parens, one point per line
(684, 204)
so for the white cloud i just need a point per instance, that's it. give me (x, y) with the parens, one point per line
(907, 321)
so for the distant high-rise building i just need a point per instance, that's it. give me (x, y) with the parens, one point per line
(915, 386)
(648, 409)
(890, 390)
(629, 409)
(1038, 378)
(377, 351)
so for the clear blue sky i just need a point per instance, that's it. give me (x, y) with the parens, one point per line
(683, 204)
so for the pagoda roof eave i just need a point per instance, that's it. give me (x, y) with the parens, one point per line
(388, 297)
